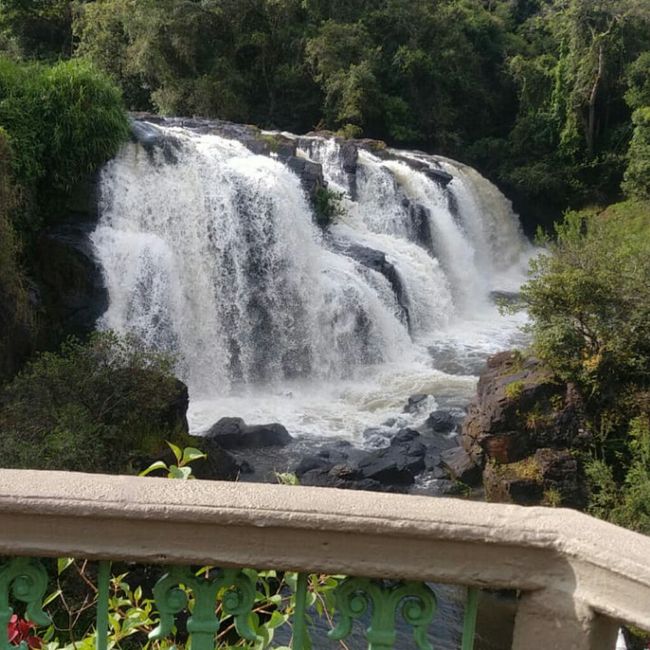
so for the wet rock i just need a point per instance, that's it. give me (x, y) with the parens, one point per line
(420, 216)
(342, 477)
(416, 403)
(309, 463)
(441, 422)
(71, 284)
(219, 464)
(397, 464)
(460, 466)
(310, 174)
(376, 260)
(234, 433)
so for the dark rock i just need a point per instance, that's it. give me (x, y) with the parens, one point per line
(441, 422)
(419, 216)
(310, 174)
(72, 288)
(376, 260)
(387, 470)
(415, 403)
(175, 415)
(549, 477)
(342, 477)
(397, 464)
(219, 464)
(153, 139)
(349, 155)
(233, 433)
(245, 467)
(563, 475)
(520, 407)
(460, 466)
(309, 463)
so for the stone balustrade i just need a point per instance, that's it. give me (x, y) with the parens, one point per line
(578, 578)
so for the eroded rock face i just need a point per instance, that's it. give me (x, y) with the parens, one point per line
(522, 428)
(71, 284)
(521, 407)
(551, 477)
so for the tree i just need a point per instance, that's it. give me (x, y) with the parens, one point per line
(589, 299)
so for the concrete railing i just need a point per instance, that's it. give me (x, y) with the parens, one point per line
(578, 577)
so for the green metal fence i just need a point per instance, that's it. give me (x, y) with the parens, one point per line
(206, 597)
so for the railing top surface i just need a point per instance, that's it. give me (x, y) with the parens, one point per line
(545, 550)
(96, 496)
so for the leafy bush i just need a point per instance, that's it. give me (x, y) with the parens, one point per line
(327, 206)
(63, 121)
(626, 502)
(589, 300)
(94, 406)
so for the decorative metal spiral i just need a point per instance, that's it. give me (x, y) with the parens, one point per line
(26, 580)
(418, 606)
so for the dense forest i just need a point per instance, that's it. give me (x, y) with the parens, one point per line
(545, 97)
(550, 99)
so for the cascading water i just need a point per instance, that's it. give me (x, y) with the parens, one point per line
(211, 252)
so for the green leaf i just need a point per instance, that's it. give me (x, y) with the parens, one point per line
(52, 597)
(63, 563)
(180, 472)
(176, 451)
(190, 454)
(159, 464)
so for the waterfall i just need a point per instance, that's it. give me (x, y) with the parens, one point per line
(211, 253)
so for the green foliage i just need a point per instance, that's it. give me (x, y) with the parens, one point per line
(40, 28)
(533, 93)
(327, 206)
(62, 121)
(514, 389)
(181, 469)
(93, 406)
(637, 175)
(589, 300)
(625, 502)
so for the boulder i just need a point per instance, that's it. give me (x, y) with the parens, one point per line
(416, 403)
(219, 464)
(441, 422)
(460, 466)
(343, 477)
(520, 407)
(234, 433)
(310, 174)
(420, 215)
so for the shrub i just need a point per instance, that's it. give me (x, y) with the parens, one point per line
(63, 121)
(94, 406)
(589, 300)
(327, 206)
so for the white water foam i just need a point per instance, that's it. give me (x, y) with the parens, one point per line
(213, 255)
